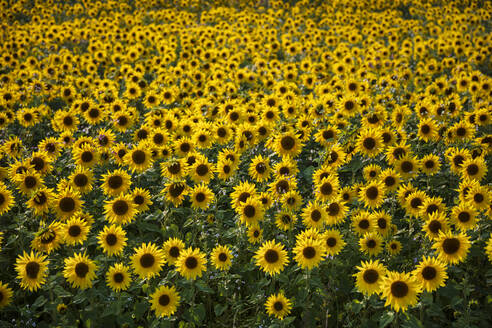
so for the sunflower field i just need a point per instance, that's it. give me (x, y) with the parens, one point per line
(186, 163)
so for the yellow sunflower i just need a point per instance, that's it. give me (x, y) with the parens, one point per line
(271, 257)
(191, 263)
(75, 231)
(32, 270)
(333, 242)
(369, 277)
(118, 277)
(400, 290)
(79, 271)
(112, 239)
(115, 182)
(278, 305)
(221, 257)
(165, 301)
(452, 248)
(120, 210)
(172, 249)
(309, 252)
(5, 295)
(147, 260)
(371, 243)
(431, 273)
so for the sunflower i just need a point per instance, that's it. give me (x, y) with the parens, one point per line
(259, 168)
(407, 167)
(202, 170)
(86, 155)
(165, 301)
(29, 181)
(221, 257)
(48, 238)
(278, 305)
(371, 243)
(478, 197)
(431, 273)
(369, 142)
(120, 210)
(488, 248)
(118, 278)
(335, 212)
(369, 277)
(32, 270)
(363, 223)
(172, 250)
(428, 130)
(201, 196)
(308, 252)
(175, 192)
(371, 172)
(75, 231)
(225, 169)
(241, 193)
(112, 239)
(191, 263)
(474, 168)
(5, 294)
(81, 180)
(79, 271)
(314, 215)
(271, 257)
(373, 194)
(400, 290)
(414, 201)
(437, 223)
(287, 144)
(452, 248)
(141, 199)
(327, 188)
(285, 220)
(391, 179)
(255, 234)
(464, 217)
(430, 164)
(175, 169)
(115, 182)
(393, 247)
(430, 206)
(251, 211)
(383, 222)
(147, 260)
(139, 158)
(6, 199)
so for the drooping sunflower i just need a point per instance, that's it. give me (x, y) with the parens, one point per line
(373, 194)
(5, 294)
(175, 192)
(165, 301)
(75, 231)
(120, 210)
(115, 182)
(278, 305)
(333, 242)
(112, 239)
(221, 257)
(201, 196)
(191, 263)
(118, 277)
(148, 260)
(172, 250)
(80, 271)
(400, 290)
(271, 257)
(369, 277)
(32, 270)
(431, 273)
(309, 252)
(371, 243)
(48, 238)
(452, 248)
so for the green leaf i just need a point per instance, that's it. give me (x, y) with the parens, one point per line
(140, 309)
(386, 319)
(60, 292)
(203, 287)
(219, 309)
(40, 301)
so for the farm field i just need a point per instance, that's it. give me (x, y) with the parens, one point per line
(245, 163)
